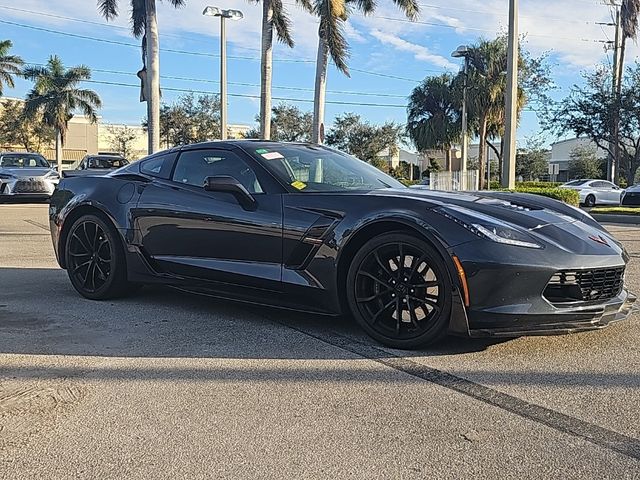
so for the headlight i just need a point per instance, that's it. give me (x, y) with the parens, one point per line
(52, 174)
(488, 227)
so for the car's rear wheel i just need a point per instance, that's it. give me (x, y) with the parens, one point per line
(399, 291)
(95, 259)
(590, 201)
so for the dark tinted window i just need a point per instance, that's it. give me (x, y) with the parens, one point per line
(602, 185)
(104, 162)
(195, 165)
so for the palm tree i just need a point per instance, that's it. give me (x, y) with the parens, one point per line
(273, 16)
(434, 115)
(10, 65)
(55, 95)
(144, 23)
(331, 41)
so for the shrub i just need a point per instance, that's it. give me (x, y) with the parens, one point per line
(496, 185)
(572, 197)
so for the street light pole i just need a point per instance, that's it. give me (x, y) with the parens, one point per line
(511, 100)
(223, 14)
(223, 79)
(463, 52)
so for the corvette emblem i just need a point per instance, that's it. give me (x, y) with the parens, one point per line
(599, 239)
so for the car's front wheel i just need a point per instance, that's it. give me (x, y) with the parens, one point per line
(399, 291)
(95, 259)
(590, 201)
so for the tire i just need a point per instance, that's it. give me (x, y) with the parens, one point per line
(402, 304)
(590, 201)
(95, 259)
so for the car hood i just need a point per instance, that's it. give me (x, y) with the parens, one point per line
(550, 220)
(26, 172)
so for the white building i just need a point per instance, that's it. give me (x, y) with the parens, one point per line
(561, 154)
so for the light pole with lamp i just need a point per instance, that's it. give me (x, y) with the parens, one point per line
(223, 14)
(463, 52)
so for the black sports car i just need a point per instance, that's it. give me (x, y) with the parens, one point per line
(305, 227)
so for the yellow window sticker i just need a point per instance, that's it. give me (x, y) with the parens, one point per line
(299, 185)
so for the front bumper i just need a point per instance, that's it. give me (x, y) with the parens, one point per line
(39, 187)
(564, 321)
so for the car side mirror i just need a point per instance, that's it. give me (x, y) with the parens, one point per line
(225, 183)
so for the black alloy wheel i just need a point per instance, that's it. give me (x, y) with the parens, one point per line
(95, 259)
(399, 291)
(590, 201)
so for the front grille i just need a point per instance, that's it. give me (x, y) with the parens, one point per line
(570, 286)
(30, 186)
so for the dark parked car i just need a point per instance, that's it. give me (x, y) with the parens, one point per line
(631, 196)
(309, 228)
(100, 164)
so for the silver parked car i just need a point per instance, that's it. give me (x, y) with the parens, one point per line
(26, 175)
(596, 192)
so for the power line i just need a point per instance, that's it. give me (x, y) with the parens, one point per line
(203, 54)
(243, 95)
(241, 84)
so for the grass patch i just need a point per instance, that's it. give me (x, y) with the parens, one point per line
(616, 210)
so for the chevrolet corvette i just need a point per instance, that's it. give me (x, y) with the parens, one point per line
(305, 227)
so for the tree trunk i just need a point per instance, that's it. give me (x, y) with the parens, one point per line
(59, 150)
(482, 151)
(153, 78)
(266, 64)
(320, 91)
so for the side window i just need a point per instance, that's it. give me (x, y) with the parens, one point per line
(601, 185)
(158, 165)
(194, 166)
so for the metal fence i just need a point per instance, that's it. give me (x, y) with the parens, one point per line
(454, 181)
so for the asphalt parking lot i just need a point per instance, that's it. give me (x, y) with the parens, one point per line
(166, 384)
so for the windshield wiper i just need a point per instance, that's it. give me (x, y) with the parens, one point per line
(384, 183)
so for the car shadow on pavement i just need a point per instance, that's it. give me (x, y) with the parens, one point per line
(40, 313)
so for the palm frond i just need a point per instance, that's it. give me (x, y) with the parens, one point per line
(411, 8)
(331, 30)
(108, 8)
(138, 17)
(281, 23)
(364, 6)
(629, 11)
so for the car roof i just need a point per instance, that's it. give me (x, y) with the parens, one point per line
(247, 143)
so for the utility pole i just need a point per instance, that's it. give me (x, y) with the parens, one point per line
(511, 101)
(612, 164)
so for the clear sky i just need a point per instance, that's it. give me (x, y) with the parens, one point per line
(389, 55)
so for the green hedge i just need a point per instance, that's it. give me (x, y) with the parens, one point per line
(496, 185)
(572, 197)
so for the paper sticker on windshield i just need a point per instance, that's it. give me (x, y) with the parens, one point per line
(272, 156)
(299, 185)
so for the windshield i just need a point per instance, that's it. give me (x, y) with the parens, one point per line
(23, 160)
(576, 183)
(106, 162)
(311, 168)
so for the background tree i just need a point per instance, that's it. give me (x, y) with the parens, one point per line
(532, 161)
(144, 23)
(584, 163)
(589, 111)
(10, 66)
(332, 42)
(18, 129)
(288, 124)
(434, 166)
(56, 96)
(123, 140)
(363, 140)
(434, 114)
(190, 119)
